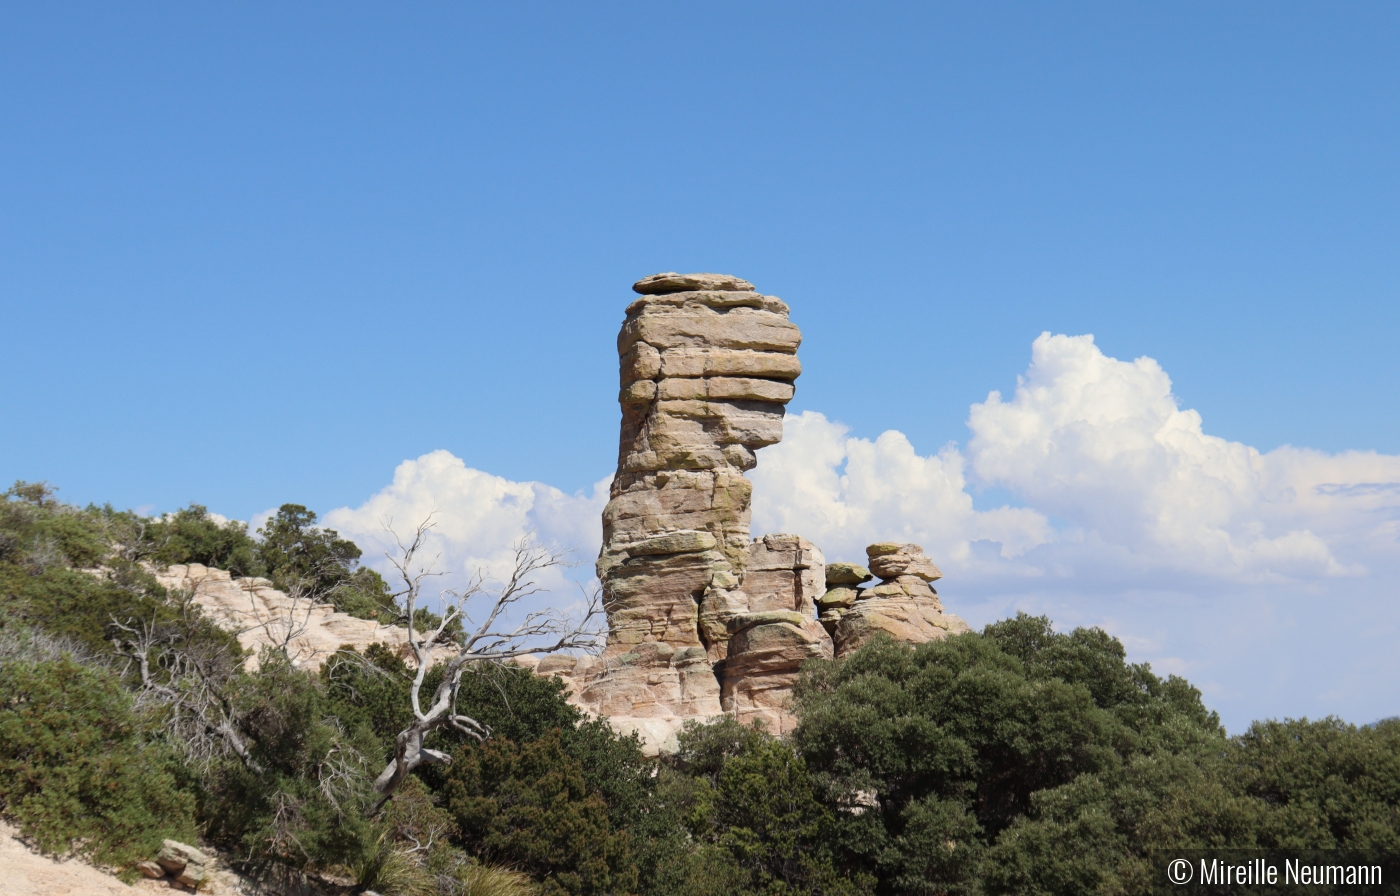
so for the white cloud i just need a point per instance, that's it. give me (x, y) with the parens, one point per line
(1269, 579)
(1102, 444)
(1099, 446)
(477, 518)
(844, 493)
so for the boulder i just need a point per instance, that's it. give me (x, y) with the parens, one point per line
(888, 560)
(839, 598)
(151, 870)
(183, 862)
(903, 605)
(900, 586)
(846, 574)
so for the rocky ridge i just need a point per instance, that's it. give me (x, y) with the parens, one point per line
(260, 615)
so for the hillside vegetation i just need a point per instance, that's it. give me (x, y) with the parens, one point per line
(1017, 760)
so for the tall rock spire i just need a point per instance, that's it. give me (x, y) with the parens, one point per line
(707, 364)
(702, 618)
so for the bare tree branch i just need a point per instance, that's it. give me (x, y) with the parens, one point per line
(189, 684)
(492, 640)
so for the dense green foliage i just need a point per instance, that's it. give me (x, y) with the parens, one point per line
(77, 763)
(1018, 760)
(530, 805)
(297, 555)
(1026, 761)
(191, 535)
(306, 799)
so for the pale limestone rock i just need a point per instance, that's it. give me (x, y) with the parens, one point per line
(841, 597)
(900, 586)
(672, 543)
(260, 615)
(910, 619)
(888, 560)
(182, 862)
(660, 284)
(764, 617)
(150, 870)
(556, 664)
(763, 665)
(767, 646)
(785, 572)
(698, 362)
(719, 607)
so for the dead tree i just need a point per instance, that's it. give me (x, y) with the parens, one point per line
(492, 640)
(192, 685)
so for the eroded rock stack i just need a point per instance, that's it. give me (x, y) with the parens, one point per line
(702, 619)
(904, 605)
(707, 364)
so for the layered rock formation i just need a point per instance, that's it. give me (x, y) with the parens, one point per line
(702, 619)
(904, 605)
(707, 364)
(784, 575)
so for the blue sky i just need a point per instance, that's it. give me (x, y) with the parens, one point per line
(260, 253)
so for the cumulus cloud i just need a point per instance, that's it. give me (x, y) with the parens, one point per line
(1102, 444)
(1267, 578)
(1117, 482)
(477, 518)
(843, 493)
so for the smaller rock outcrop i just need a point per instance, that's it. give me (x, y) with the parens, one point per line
(260, 615)
(904, 605)
(183, 862)
(842, 580)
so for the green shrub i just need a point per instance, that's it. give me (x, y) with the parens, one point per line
(77, 767)
(984, 755)
(192, 535)
(304, 804)
(529, 806)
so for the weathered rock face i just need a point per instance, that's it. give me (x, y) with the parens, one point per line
(768, 645)
(904, 605)
(707, 364)
(182, 862)
(260, 615)
(702, 619)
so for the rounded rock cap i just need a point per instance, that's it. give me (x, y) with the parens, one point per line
(669, 282)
